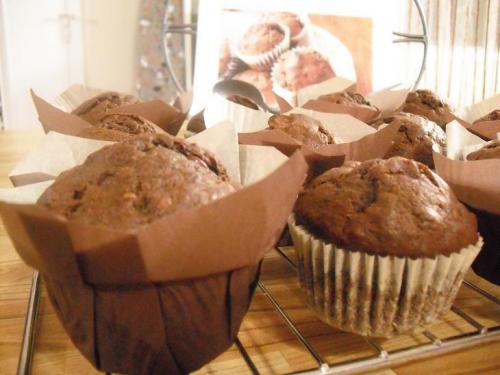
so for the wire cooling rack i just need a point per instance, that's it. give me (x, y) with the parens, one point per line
(378, 356)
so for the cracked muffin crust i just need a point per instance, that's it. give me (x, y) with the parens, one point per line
(386, 207)
(93, 109)
(490, 150)
(427, 104)
(304, 129)
(492, 116)
(416, 139)
(244, 101)
(126, 123)
(137, 181)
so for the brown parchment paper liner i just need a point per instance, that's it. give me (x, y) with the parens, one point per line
(377, 295)
(166, 117)
(374, 145)
(488, 130)
(289, 99)
(263, 61)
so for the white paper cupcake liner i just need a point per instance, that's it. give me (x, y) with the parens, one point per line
(288, 95)
(264, 61)
(377, 295)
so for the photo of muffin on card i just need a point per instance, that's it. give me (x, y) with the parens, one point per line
(284, 48)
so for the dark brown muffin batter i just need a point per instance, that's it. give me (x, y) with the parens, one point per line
(304, 129)
(243, 100)
(492, 116)
(126, 123)
(137, 181)
(427, 104)
(92, 110)
(387, 207)
(103, 134)
(490, 150)
(416, 139)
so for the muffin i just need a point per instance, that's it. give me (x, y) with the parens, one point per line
(416, 139)
(298, 33)
(382, 245)
(261, 80)
(299, 68)
(93, 132)
(302, 128)
(261, 44)
(244, 101)
(346, 98)
(490, 150)
(427, 104)
(92, 110)
(492, 116)
(127, 123)
(137, 181)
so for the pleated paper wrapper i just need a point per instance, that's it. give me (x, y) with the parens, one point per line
(477, 184)
(167, 297)
(58, 117)
(374, 295)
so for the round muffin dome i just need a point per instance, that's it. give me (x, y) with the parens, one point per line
(126, 123)
(393, 207)
(137, 181)
(346, 98)
(93, 109)
(427, 104)
(261, 37)
(416, 139)
(492, 116)
(304, 129)
(490, 150)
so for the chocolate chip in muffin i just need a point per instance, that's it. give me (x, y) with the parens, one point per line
(427, 104)
(416, 139)
(137, 181)
(490, 150)
(393, 207)
(304, 129)
(92, 110)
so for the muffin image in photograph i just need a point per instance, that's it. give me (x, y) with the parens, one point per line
(261, 44)
(298, 25)
(382, 246)
(262, 81)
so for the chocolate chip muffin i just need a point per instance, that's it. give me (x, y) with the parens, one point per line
(304, 129)
(299, 68)
(427, 104)
(93, 132)
(490, 150)
(364, 229)
(137, 181)
(127, 123)
(417, 138)
(492, 116)
(92, 110)
(294, 23)
(244, 101)
(347, 98)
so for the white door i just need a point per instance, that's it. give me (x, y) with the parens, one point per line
(40, 48)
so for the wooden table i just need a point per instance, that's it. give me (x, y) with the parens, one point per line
(264, 335)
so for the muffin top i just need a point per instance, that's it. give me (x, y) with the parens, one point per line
(137, 181)
(416, 139)
(297, 69)
(126, 123)
(427, 104)
(492, 116)
(289, 19)
(304, 129)
(346, 98)
(243, 100)
(393, 207)
(93, 109)
(261, 38)
(490, 150)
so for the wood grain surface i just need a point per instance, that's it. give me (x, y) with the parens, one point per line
(264, 334)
